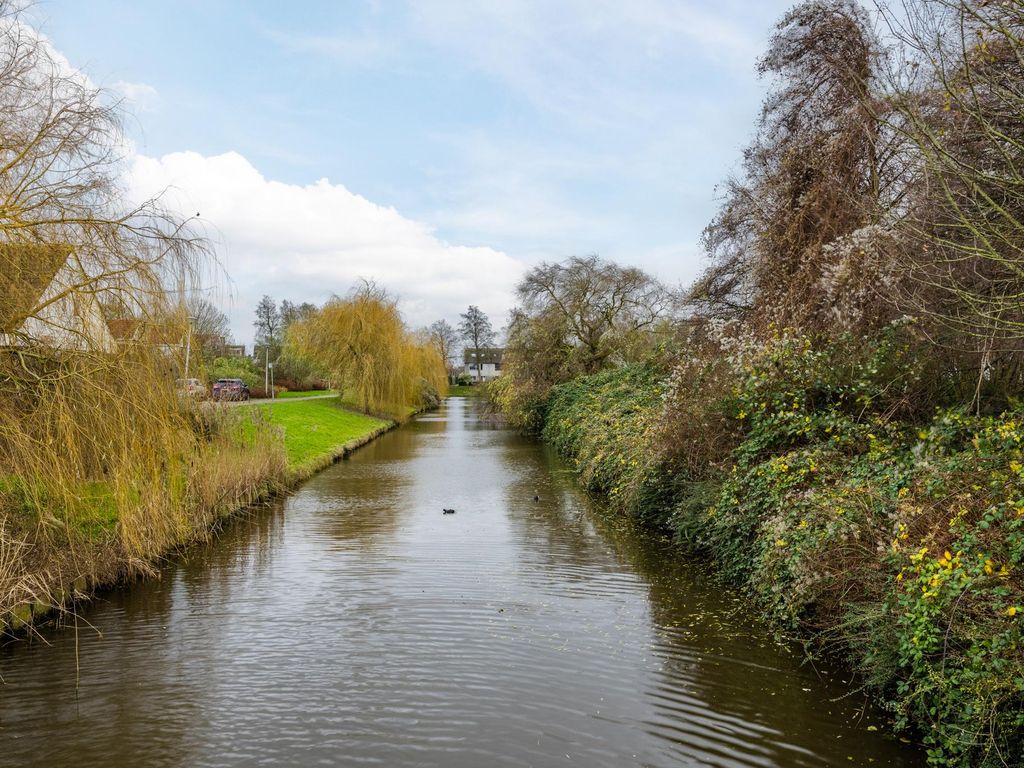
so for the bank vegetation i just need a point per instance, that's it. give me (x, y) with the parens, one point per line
(833, 411)
(105, 466)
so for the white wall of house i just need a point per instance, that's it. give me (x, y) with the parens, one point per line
(488, 371)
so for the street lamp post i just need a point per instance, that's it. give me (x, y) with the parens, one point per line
(188, 344)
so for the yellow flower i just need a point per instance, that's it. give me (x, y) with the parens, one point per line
(1011, 611)
(780, 542)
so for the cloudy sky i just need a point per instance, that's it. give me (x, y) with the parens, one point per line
(440, 147)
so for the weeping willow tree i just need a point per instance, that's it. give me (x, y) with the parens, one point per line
(101, 465)
(363, 342)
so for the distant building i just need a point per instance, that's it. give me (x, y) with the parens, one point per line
(486, 365)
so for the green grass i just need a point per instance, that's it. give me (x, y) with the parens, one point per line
(317, 429)
(472, 390)
(309, 393)
(91, 515)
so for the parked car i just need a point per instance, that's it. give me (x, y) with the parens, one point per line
(191, 388)
(230, 389)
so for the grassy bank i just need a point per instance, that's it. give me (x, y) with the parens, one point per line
(308, 393)
(466, 390)
(61, 536)
(59, 542)
(895, 542)
(316, 432)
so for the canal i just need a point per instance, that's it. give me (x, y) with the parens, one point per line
(352, 623)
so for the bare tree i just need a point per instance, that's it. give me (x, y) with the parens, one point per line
(292, 313)
(822, 167)
(445, 339)
(596, 311)
(475, 328)
(268, 323)
(959, 100)
(210, 327)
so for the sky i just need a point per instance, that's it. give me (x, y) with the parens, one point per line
(438, 147)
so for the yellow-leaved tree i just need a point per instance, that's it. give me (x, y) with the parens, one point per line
(363, 342)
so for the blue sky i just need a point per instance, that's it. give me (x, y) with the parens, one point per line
(440, 147)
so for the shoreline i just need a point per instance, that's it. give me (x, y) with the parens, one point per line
(105, 565)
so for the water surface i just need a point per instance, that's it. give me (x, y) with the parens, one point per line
(354, 624)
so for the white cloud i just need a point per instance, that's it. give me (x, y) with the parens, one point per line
(142, 95)
(305, 243)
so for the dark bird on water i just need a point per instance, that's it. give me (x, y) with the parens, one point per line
(446, 511)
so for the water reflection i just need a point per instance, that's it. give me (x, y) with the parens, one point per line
(353, 623)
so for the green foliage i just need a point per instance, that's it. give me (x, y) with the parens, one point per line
(520, 400)
(830, 504)
(601, 423)
(466, 390)
(295, 372)
(958, 598)
(846, 514)
(236, 368)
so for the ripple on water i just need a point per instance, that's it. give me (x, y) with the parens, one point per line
(353, 624)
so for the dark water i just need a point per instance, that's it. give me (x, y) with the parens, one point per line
(355, 624)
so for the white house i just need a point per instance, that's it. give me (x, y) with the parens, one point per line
(483, 364)
(45, 300)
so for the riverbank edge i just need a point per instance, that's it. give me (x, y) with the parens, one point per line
(769, 524)
(110, 571)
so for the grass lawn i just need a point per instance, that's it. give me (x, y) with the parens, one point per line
(310, 393)
(472, 390)
(317, 429)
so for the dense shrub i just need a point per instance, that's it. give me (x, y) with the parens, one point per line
(236, 368)
(891, 537)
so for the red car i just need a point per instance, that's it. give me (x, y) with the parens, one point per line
(230, 389)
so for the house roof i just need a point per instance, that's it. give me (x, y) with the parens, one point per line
(123, 328)
(128, 329)
(26, 271)
(487, 355)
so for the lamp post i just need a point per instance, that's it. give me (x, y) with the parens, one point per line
(188, 344)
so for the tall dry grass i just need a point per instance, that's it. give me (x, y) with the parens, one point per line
(103, 469)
